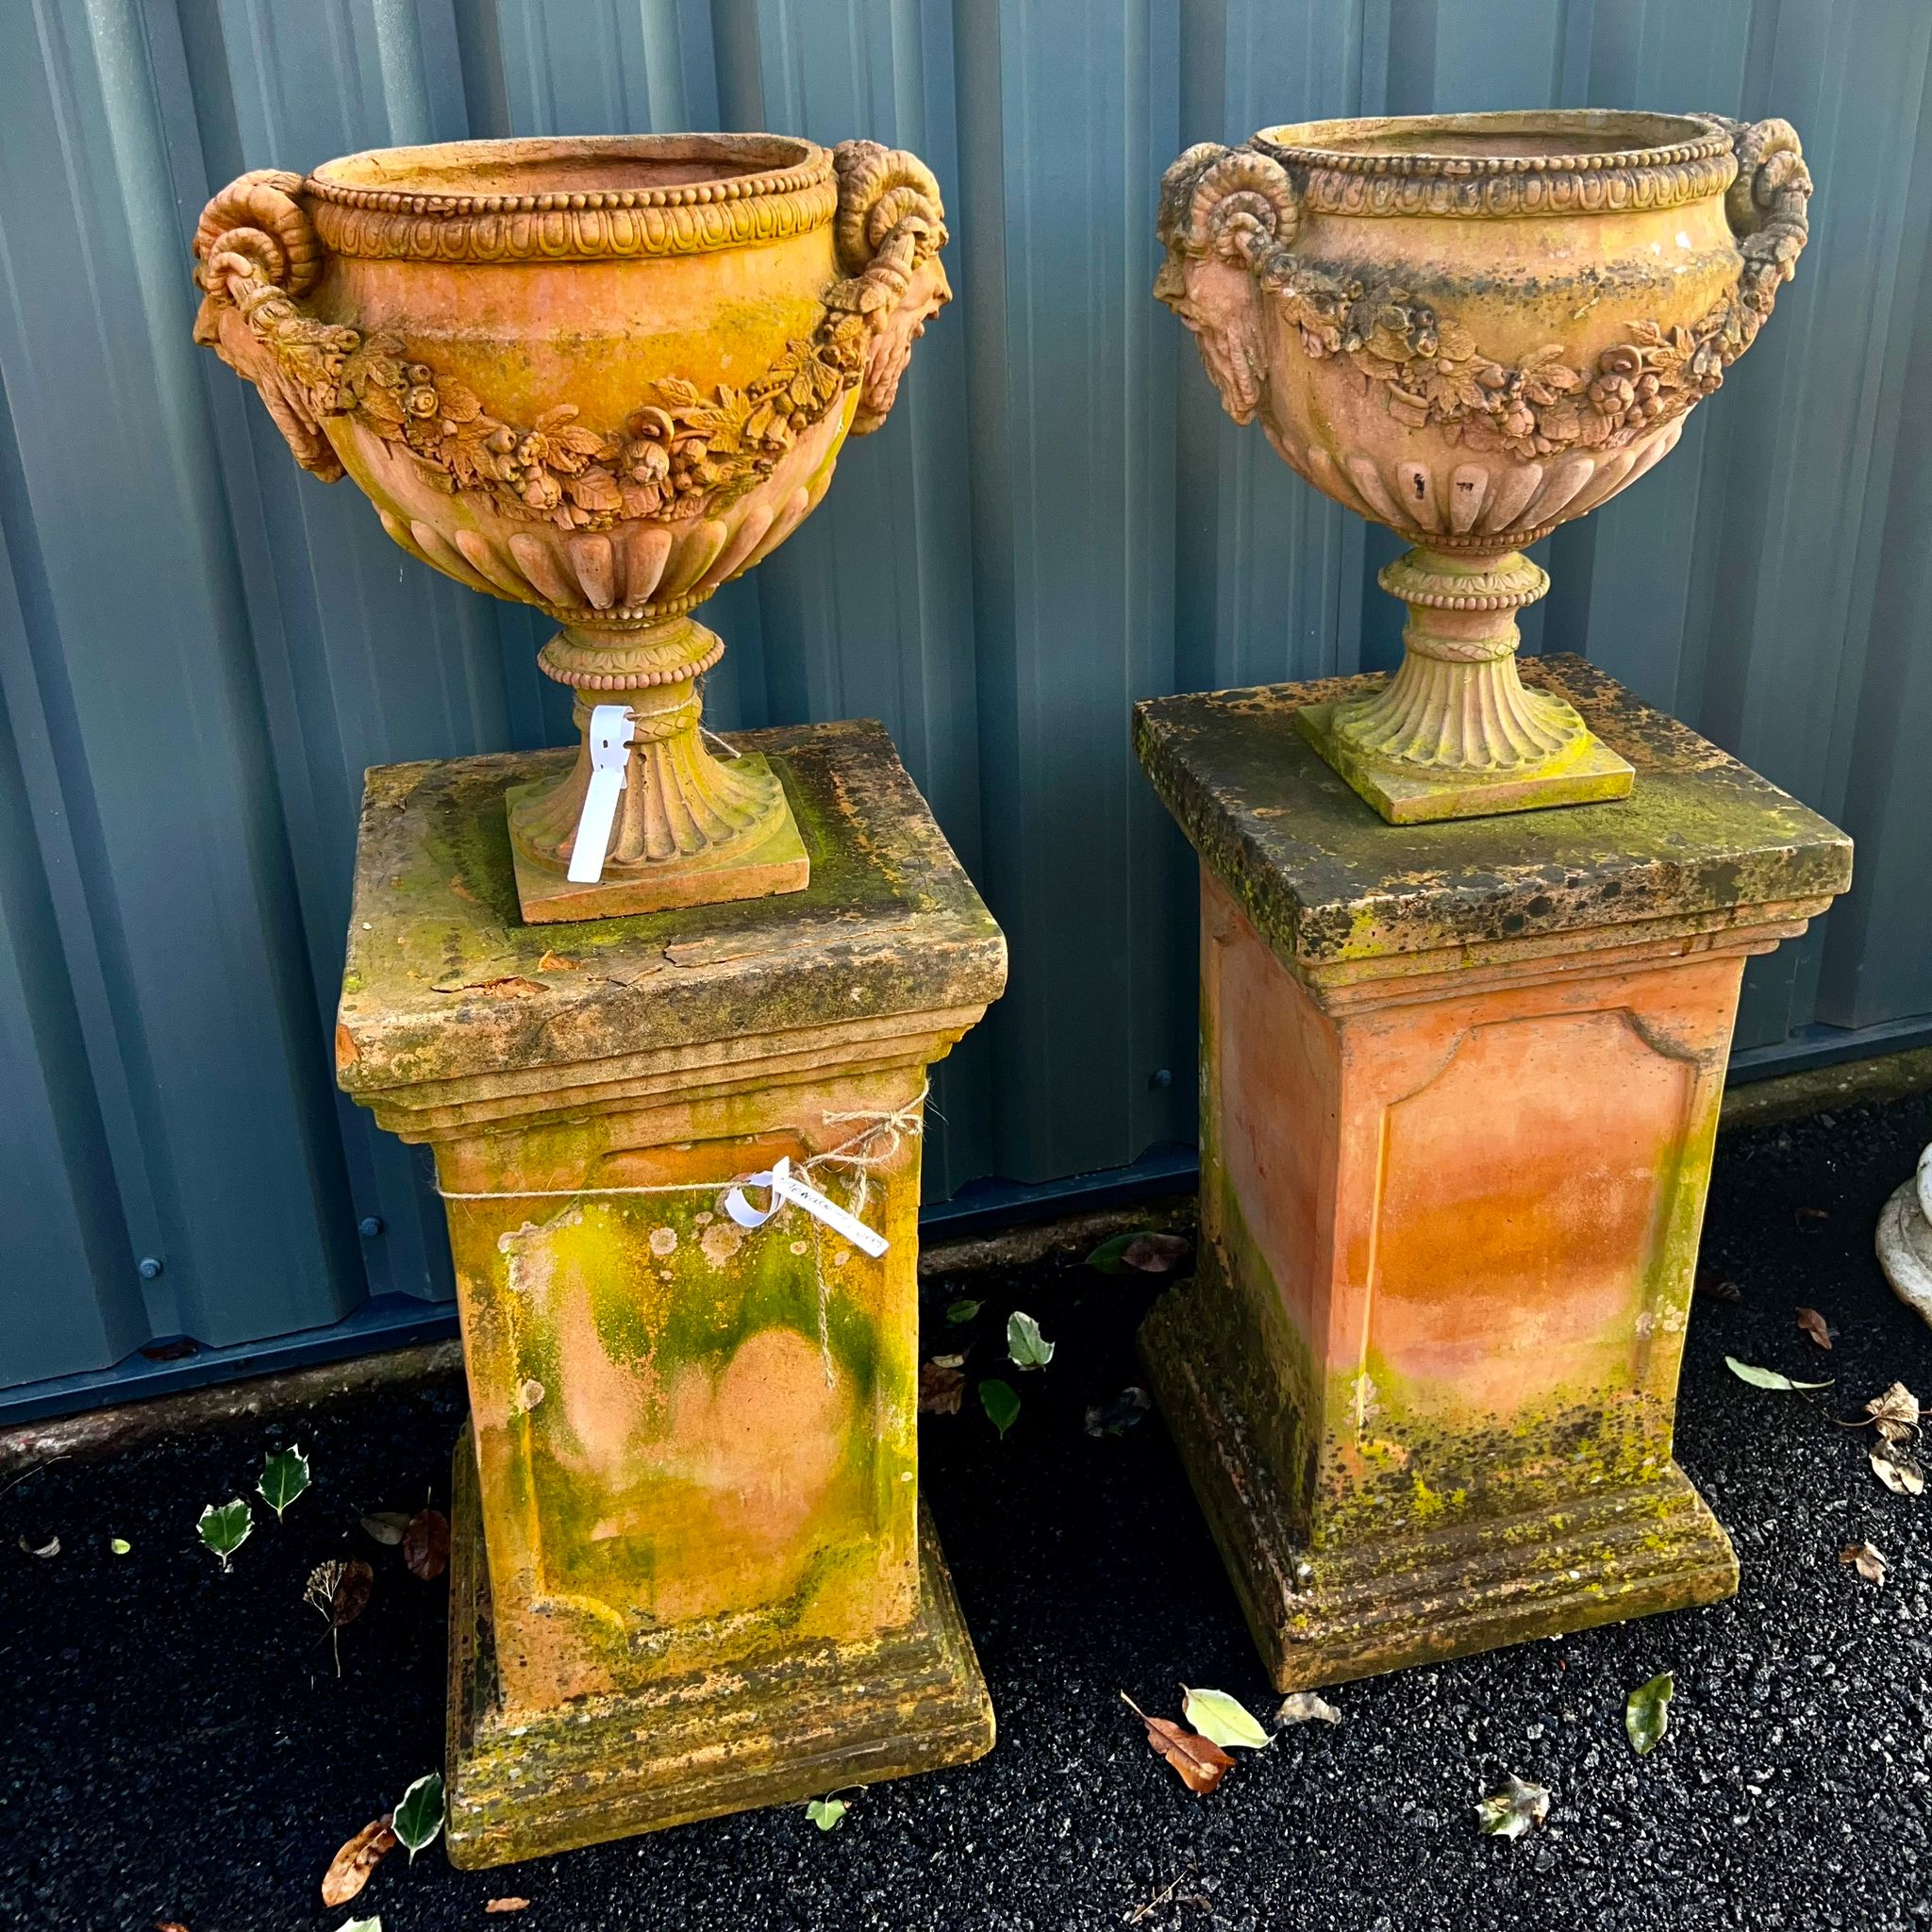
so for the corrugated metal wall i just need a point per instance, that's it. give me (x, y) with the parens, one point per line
(201, 648)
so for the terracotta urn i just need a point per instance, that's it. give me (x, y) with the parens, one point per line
(603, 376)
(1473, 329)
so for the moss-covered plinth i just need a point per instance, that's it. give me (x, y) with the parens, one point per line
(695, 1443)
(1416, 1597)
(703, 1743)
(1459, 1087)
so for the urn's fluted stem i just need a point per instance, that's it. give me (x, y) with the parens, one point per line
(1457, 704)
(681, 806)
(1455, 733)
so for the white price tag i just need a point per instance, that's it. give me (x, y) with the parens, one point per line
(610, 741)
(785, 1186)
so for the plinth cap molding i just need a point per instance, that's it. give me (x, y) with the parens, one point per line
(1705, 854)
(456, 1015)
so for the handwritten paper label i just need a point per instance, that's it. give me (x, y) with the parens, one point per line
(609, 737)
(787, 1186)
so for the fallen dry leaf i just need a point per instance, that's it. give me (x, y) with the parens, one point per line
(1156, 1254)
(340, 1592)
(511, 987)
(352, 1593)
(507, 1904)
(1807, 1217)
(387, 1525)
(1899, 1474)
(169, 1925)
(557, 962)
(1116, 1418)
(426, 1544)
(348, 1870)
(50, 1548)
(1716, 1288)
(1814, 1324)
(1201, 1765)
(1306, 1706)
(1894, 1414)
(1516, 1808)
(1867, 1561)
(942, 1387)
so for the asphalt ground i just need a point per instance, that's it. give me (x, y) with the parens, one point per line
(175, 1745)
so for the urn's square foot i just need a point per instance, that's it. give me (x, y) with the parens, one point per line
(775, 1731)
(1404, 799)
(1593, 1556)
(778, 864)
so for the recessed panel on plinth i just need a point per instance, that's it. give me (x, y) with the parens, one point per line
(1461, 1088)
(693, 1569)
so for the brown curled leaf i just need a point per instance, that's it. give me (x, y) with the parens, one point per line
(941, 1387)
(1199, 1763)
(348, 1870)
(1814, 1324)
(426, 1544)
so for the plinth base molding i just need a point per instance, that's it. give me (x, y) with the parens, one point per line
(1321, 1617)
(523, 1784)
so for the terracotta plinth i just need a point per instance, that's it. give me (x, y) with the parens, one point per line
(1460, 1090)
(691, 1570)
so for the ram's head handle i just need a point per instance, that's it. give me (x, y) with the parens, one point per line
(891, 225)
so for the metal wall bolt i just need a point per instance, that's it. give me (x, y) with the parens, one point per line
(148, 1268)
(369, 1226)
(1160, 1076)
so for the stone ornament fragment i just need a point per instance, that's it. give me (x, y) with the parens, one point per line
(1473, 329)
(1904, 1239)
(603, 376)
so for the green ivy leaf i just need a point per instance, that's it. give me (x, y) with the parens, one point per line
(419, 1817)
(1027, 1346)
(1766, 1378)
(225, 1528)
(1002, 1405)
(284, 1477)
(1222, 1720)
(827, 1813)
(120, 1545)
(1106, 1257)
(374, 1924)
(1647, 1713)
(960, 1312)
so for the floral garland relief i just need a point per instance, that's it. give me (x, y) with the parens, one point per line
(1428, 365)
(684, 455)
(1433, 375)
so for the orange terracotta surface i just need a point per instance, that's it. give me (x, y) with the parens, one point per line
(696, 1441)
(1460, 1091)
(1475, 1213)
(1473, 329)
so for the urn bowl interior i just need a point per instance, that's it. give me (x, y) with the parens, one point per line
(626, 169)
(1482, 144)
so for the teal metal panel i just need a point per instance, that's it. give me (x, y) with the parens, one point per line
(201, 648)
(1066, 116)
(144, 752)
